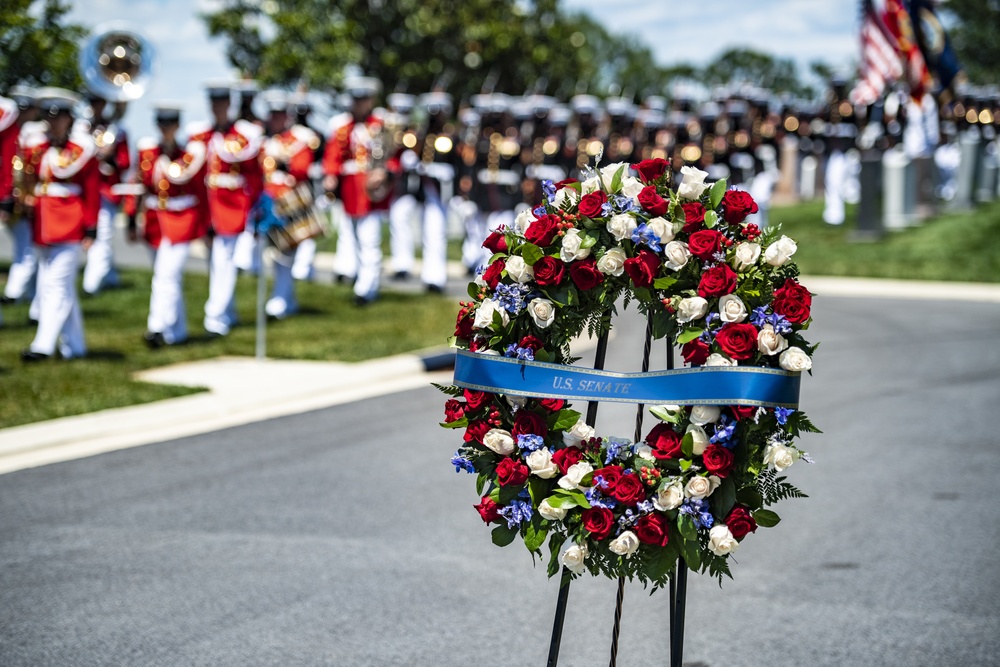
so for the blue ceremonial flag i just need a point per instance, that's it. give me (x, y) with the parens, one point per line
(934, 43)
(704, 385)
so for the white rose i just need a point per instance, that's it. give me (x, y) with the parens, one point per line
(731, 308)
(705, 414)
(677, 255)
(691, 308)
(631, 187)
(484, 314)
(479, 280)
(721, 541)
(565, 198)
(699, 439)
(625, 544)
(662, 228)
(592, 184)
(716, 359)
(571, 246)
(516, 402)
(693, 184)
(770, 342)
(488, 352)
(551, 513)
(574, 558)
(500, 441)
(581, 431)
(644, 451)
(795, 359)
(701, 487)
(669, 497)
(575, 473)
(542, 311)
(540, 463)
(524, 220)
(608, 172)
(779, 456)
(519, 270)
(612, 263)
(745, 256)
(621, 226)
(780, 251)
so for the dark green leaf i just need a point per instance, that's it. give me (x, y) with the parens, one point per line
(664, 283)
(711, 219)
(565, 419)
(766, 518)
(531, 253)
(538, 488)
(480, 483)
(458, 423)
(502, 535)
(689, 335)
(723, 499)
(692, 554)
(717, 193)
(534, 534)
(750, 497)
(688, 530)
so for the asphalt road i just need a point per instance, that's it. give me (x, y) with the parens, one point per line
(344, 537)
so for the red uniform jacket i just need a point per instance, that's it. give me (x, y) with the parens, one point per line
(350, 156)
(235, 176)
(114, 166)
(9, 130)
(287, 158)
(65, 186)
(176, 200)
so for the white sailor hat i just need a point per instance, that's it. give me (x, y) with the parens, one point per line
(586, 105)
(656, 102)
(247, 88)
(494, 103)
(559, 116)
(218, 89)
(540, 104)
(437, 102)
(275, 101)
(360, 87)
(620, 107)
(653, 118)
(401, 102)
(23, 95)
(53, 101)
(167, 112)
(469, 117)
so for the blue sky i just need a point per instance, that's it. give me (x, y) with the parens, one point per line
(694, 32)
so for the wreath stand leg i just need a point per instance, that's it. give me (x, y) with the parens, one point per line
(565, 578)
(678, 585)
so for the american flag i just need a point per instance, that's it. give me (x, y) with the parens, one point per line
(880, 57)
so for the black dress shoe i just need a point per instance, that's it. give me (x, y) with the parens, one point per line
(361, 301)
(6, 300)
(435, 289)
(154, 339)
(28, 356)
(400, 276)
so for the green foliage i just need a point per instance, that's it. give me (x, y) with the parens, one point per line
(774, 489)
(37, 47)
(747, 65)
(975, 33)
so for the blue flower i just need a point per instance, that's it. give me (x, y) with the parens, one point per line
(606, 209)
(549, 189)
(646, 506)
(623, 204)
(615, 447)
(724, 430)
(699, 512)
(595, 499)
(759, 316)
(461, 463)
(516, 512)
(511, 297)
(643, 234)
(522, 353)
(539, 211)
(529, 442)
(780, 323)
(782, 414)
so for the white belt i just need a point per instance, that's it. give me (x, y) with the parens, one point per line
(499, 177)
(179, 203)
(227, 181)
(541, 172)
(281, 178)
(58, 190)
(350, 167)
(437, 170)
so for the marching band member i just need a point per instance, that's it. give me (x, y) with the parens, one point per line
(288, 155)
(62, 171)
(401, 245)
(357, 166)
(176, 213)
(16, 116)
(113, 161)
(235, 180)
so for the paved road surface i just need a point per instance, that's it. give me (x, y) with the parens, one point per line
(343, 537)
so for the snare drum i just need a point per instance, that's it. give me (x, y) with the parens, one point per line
(302, 220)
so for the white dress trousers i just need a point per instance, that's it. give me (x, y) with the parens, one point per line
(220, 309)
(24, 263)
(368, 236)
(100, 271)
(60, 321)
(166, 300)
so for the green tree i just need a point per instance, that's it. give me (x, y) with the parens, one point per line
(741, 65)
(975, 35)
(37, 47)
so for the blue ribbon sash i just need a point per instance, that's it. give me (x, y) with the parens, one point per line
(714, 385)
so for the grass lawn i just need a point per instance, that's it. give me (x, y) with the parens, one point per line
(327, 327)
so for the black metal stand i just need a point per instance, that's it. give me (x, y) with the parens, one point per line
(678, 583)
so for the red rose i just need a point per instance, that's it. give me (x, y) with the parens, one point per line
(737, 205)
(704, 243)
(566, 181)
(743, 411)
(496, 242)
(651, 201)
(650, 170)
(512, 473)
(653, 529)
(695, 352)
(739, 341)
(492, 275)
(533, 343)
(476, 399)
(542, 231)
(694, 216)
(488, 509)
(566, 457)
(793, 301)
(585, 275)
(476, 431)
(552, 404)
(740, 522)
(718, 460)
(610, 475)
(529, 423)
(642, 269)
(717, 281)
(630, 490)
(549, 271)
(463, 326)
(591, 204)
(453, 410)
(664, 441)
(598, 521)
